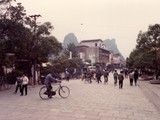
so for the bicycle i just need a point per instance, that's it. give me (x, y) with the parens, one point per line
(88, 78)
(63, 91)
(4, 84)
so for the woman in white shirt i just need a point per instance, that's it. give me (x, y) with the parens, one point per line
(25, 81)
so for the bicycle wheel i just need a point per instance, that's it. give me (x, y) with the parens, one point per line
(64, 91)
(43, 93)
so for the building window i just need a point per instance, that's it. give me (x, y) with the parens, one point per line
(80, 50)
(96, 44)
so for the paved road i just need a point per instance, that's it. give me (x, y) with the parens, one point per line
(86, 102)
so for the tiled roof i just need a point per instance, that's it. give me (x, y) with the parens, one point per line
(93, 40)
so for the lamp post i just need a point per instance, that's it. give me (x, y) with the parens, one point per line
(34, 19)
(70, 54)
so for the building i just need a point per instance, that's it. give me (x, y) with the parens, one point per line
(93, 50)
(116, 60)
(93, 43)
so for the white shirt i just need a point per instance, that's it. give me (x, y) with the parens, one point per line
(25, 80)
(131, 75)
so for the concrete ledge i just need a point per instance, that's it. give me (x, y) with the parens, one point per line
(146, 78)
(155, 81)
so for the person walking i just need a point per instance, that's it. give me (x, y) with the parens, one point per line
(121, 78)
(105, 74)
(136, 74)
(131, 77)
(88, 77)
(126, 73)
(18, 83)
(67, 75)
(25, 81)
(115, 76)
(98, 75)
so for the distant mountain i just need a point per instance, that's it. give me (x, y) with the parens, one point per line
(69, 38)
(112, 46)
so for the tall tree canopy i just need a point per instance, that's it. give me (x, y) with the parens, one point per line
(20, 34)
(146, 53)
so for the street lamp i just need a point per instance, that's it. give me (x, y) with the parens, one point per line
(70, 54)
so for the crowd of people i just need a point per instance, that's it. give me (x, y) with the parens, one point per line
(88, 76)
(132, 75)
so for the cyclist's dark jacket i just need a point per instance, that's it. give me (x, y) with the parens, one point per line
(49, 79)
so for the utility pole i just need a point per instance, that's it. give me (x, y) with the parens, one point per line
(70, 54)
(34, 19)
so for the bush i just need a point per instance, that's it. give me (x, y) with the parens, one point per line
(11, 77)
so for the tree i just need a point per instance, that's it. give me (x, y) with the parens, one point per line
(71, 48)
(140, 56)
(145, 55)
(60, 63)
(21, 35)
(48, 46)
(14, 36)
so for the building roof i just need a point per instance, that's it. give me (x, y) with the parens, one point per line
(79, 45)
(93, 40)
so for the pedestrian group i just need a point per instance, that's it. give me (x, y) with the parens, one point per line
(22, 84)
(118, 77)
(22, 79)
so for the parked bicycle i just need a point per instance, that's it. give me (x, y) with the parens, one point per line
(4, 83)
(63, 91)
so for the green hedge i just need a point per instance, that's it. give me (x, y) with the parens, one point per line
(11, 77)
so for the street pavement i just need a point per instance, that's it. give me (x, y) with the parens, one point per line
(86, 102)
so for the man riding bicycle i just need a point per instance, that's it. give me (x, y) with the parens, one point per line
(51, 77)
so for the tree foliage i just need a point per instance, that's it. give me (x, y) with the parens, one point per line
(71, 48)
(145, 55)
(62, 62)
(21, 35)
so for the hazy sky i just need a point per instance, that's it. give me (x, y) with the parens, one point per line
(104, 19)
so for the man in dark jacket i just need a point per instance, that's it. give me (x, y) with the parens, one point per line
(48, 80)
(136, 74)
(98, 75)
(105, 74)
(121, 78)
